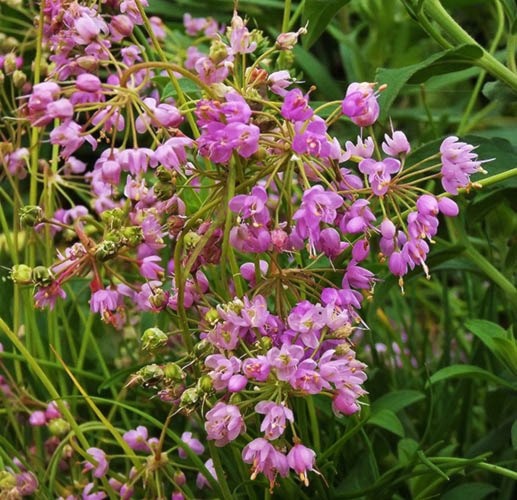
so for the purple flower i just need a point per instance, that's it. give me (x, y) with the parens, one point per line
(38, 418)
(363, 149)
(104, 300)
(360, 104)
(47, 295)
(306, 379)
(252, 206)
(26, 483)
(301, 459)
(265, 458)
(397, 144)
(458, 164)
(307, 319)
(329, 242)
(201, 480)
(256, 368)
(358, 218)
(275, 420)
(224, 423)
(448, 207)
(194, 444)
(101, 463)
(223, 369)
(250, 239)
(86, 495)
(137, 439)
(285, 360)
(312, 139)
(379, 173)
(296, 106)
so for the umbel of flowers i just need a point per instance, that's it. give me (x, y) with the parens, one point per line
(230, 209)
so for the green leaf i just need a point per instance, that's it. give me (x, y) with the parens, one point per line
(514, 435)
(468, 371)
(319, 13)
(397, 400)
(500, 342)
(387, 420)
(472, 491)
(447, 61)
(406, 450)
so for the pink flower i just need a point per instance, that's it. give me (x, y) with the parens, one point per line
(265, 458)
(224, 423)
(275, 420)
(137, 439)
(301, 459)
(360, 104)
(194, 444)
(296, 106)
(100, 467)
(379, 173)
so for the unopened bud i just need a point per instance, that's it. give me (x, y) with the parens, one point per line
(113, 218)
(159, 298)
(30, 215)
(342, 349)
(205, 384)
(7, 481)
(174, 372)
(212, 316)
(58, 427)
(21, 274)
(202, 348)
(189, 397)
(218, 52)
(153, 338)
(19, 78)
(164, 191)
(265, 343)
(287, 41)
(150, 374)
(9, 63)
(42, 276)
(132, 235)
(106, 250)
(191, 240)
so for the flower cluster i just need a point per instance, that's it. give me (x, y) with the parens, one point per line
(233, 210)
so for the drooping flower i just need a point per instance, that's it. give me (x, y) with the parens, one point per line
(301, 459)
(224, 423)
(275, 420)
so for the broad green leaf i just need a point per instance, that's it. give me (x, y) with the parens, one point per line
(319, 13)
(468, 371)
(396, 400)
(447, 61)
(501, 343)
(387, 420)
(472, 491)
(514, 435)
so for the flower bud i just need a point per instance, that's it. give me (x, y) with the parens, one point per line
(30, 215)
(179, 478)
(235, 398)
(58, 427)
(21, 274)
(218, 52)
(19, 78)
(153, 338)
(287, 41)
(164, 191)
(106, 250)
(42, 276)
(205, 384)
(113, 218)
(7, 481)
(88, 63)
(212, 316)
(9, 63)
(189, 397)
(10, 44)
(342, 349)
(264, 343)
(150, 375)
(159, 298)
(173, 372)
(132, 235)
(191, 240)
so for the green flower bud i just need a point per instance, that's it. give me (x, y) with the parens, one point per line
(10, 44)
(264, 343)
(9, 63)
(30, 215)
(42, 276)
(235, 398)
(205, 384)
(58, 427)
(133, 235)
(164, 175)
(164, 191)
(21, 274)
(150, 375)
(106, 250)
(159, 298)
(173, 372)
(191, 240)
(218, 51)
(19, 78)
(342, 349)
(153, 338)
(236, 305)
(7, 481)
(113, 218)
(189, 397)
(212, 316)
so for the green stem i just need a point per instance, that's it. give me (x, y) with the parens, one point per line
(480, 465)
(455, 32)
(463, 127)
(221, 479)
(40, 374)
